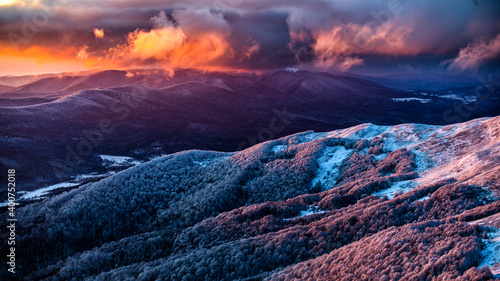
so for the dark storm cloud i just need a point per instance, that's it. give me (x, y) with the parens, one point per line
(267, 33)
(263, 34)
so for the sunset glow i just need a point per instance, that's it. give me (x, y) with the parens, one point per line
(68, 36)
(250, 139)
(6, 2)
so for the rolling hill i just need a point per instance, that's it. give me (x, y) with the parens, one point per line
(405, 202)
(56, 128)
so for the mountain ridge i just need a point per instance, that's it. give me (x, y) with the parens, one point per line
(152, 114)
(281, 209)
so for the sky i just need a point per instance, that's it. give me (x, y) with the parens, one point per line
(375, 37)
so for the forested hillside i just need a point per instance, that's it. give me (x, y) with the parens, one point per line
(55, 128)
(368, 202)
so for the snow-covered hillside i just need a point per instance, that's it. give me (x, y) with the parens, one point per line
(468, 152)
(409, 201)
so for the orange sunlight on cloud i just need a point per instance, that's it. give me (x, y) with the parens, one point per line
(343, 43)
(29, 65)
(173, 47)
(38, 60)
(6, 2)
(98, 33)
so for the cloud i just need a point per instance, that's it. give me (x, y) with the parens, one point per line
(260, 40)
(257, 34)
(82, 53)
(475, 54)
(343, 45)
(98, 33)
(203, 38)
(156, 43)
(177, 46)
(252, 49)
(161, 20)
(196, 22)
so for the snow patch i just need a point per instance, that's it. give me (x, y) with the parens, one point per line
(5, 204)
(401, 186)
(116, 161)
(424, 198)
(459, 97)
(201, 163)
(411, 99)
(42, 192)
(87, 176)
(204, 162)
(380, 156)
(406, 135)
(279, 148)
(311, 210)
(311, 136)
(329, 164)
(362, 131)
(492, 253)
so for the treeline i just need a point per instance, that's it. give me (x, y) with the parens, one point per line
(165, 196)
(432, 250)
(221, 216)
(223, 248)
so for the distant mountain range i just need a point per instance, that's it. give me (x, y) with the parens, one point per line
(424, 81)
(56, 127)
(4, 88)
(404, 202)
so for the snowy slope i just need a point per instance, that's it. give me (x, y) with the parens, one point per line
(320, 200)
(469, 152)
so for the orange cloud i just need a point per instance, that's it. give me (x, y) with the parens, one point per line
(341, 45)
(173, 47)
(82, 53)
(157, 43)
(164, 46)
(98, 33)
(251, 50)
(170, 47)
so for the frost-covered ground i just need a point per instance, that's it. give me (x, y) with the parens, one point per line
(329, 165)
(311, 210)
(441, 152)
(116, 161)
(397, 187)
(43, 192)
(459, 97)
(492, 253)
(210, 210)
(279, 147)
(411, 99)
(110, 161)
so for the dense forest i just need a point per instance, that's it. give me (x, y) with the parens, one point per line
(311, 206)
